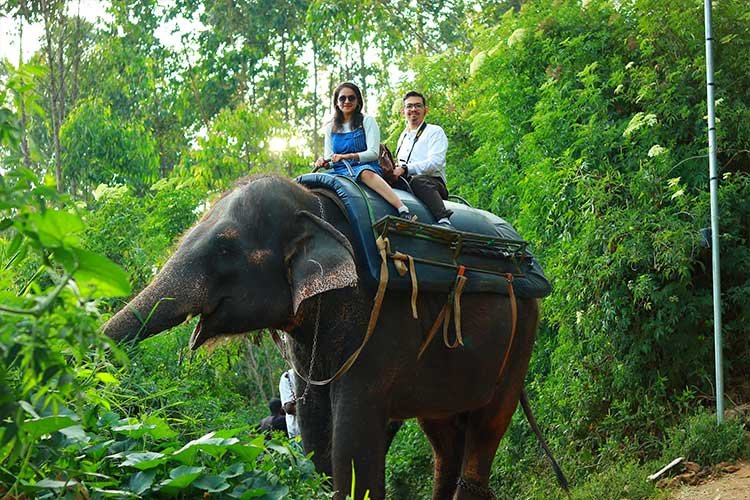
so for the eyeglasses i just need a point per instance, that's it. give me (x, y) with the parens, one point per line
(414, 105)
(350, 98)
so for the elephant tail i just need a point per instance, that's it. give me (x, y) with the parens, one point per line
(535, 427)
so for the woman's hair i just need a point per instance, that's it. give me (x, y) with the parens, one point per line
(357, 116)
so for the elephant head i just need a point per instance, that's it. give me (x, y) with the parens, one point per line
(260, 251)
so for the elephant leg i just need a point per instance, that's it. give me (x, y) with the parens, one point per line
(447, 440)
(486, 426)
(359, 439)
(484, 430)
(314, 417)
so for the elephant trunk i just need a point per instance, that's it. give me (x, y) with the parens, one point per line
(164, 303)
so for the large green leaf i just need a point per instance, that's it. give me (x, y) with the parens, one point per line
(46, 425)
(99, 275)
(144, 460)
(212, 484)
(234, 470)
(56, 227)
(179, 478)
(141, 481)
(248, 453)
(154, 427)
(215, 447)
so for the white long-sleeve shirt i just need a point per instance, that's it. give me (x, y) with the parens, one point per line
(372, 135)
(286, 393)
(427, 154)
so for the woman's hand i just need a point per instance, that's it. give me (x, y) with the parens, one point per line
(349, 156)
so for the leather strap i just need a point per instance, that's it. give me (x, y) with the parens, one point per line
(374, 315)
(444, 316)
(455, 301)
(514, 319)
(401, 268)
(414, 287)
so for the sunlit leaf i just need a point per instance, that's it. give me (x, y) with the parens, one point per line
(100, 275)
(144, 460)
(56, 227)
(107, 378)
(46, 425)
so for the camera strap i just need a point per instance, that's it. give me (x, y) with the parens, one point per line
(414, 143)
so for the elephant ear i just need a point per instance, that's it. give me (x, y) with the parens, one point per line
(319, 259)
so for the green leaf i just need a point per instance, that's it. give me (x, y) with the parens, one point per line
(248, 453)
(234, 470)
(141, 481)
(152, 426)
(212, 484)
(99, 274)
(55, 484)
(215, 447)
(75, 433)
(107, 378)
(56, 227)
(144, 460)
(180, 478)
(46, 425)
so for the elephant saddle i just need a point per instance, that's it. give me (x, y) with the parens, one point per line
(483, 251)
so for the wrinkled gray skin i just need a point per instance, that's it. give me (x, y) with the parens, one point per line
(265, 256)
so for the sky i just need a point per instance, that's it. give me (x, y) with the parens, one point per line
(92, 10)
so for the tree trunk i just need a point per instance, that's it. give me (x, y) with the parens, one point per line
(316, 142)
(25, 152)
(254, 369)
(54, 91)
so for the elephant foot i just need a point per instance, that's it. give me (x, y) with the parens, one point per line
(469, 490)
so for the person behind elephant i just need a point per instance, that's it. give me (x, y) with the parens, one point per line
(352, 143)
(276, 421)
(421, 156)
(288, 402)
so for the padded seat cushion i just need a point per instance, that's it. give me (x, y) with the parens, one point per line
(436, 261)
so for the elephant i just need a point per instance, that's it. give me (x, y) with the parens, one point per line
(272, 254)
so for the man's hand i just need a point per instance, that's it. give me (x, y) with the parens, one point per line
(320, 162)
(290, 407)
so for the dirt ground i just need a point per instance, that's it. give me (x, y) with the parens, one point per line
(727, 486)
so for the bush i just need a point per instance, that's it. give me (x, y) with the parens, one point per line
(626, 481)
(700, 439)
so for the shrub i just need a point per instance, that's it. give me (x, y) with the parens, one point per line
(700, 439)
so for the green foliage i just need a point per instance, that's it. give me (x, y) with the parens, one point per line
(99, 149)
(581, 122)
(700, 439)
(59, 435)
(626, 481)
(408, 472)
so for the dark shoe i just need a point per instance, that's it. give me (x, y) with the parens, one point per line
(407, 216)
(445, 224)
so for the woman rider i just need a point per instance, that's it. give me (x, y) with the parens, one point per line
(352, 142)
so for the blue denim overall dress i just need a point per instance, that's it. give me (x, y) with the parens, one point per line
(351, 142)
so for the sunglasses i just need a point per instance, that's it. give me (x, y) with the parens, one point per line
(350, 98)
